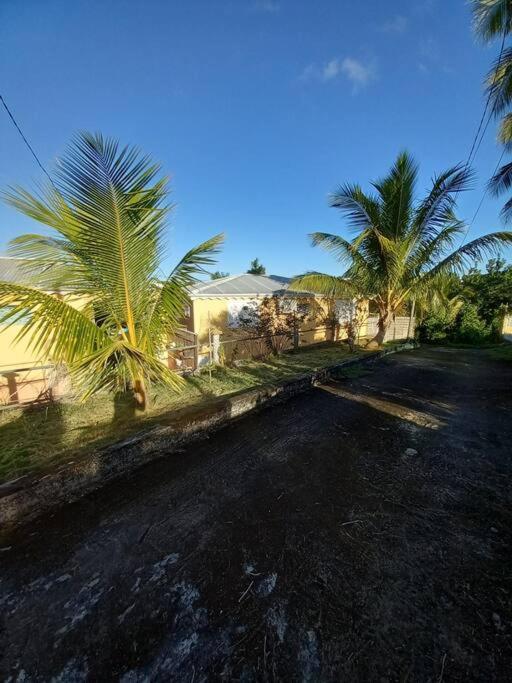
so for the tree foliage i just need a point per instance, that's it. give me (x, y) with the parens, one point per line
(257, 268)
(473, 306)
(404, 247)
(107, 214)
(275, 320)
(493, 21)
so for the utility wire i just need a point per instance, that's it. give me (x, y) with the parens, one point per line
(11, 116)
(486, 190)
(476, 146)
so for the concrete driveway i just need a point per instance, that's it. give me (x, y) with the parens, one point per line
(360, 532)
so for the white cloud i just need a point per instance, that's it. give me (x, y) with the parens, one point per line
(331, 70)
(266, 6)
(357, 72)
(429, 49)
(360, 74)
(431, 58)
(396, 25)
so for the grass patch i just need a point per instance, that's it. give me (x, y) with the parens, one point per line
(484, 345)
(34, 437)
(502, 352)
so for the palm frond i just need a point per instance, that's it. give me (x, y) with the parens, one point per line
(505, 131)
(499, 82)
(114, 366)
(167, 310)
(437, 208)
(396, 193)
(121, 220)
(492, 17)
(406, 252)
(46, 206)
(48, 324)
(343, 250)
(506, 211)
(108, 211)
(465, 256)
(49, 263)
(360, 209)
(501, 180)
(330, 286)
(430, 249)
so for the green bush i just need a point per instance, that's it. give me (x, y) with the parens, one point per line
(466, 327)
(436, 327)
(469, 327)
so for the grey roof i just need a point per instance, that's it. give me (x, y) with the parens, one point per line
(244, 284)
(14, 270)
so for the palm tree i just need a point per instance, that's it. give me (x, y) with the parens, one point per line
(107, 211)
(493, 18)
(401, 249)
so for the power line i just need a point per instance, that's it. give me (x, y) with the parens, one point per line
(11, 116)
(486, 190)
(475, 147)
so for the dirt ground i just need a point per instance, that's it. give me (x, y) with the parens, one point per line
(360, 532)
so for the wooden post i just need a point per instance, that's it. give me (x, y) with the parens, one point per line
(411, 318)
(210, 354)
(216, 347)
(296, 333)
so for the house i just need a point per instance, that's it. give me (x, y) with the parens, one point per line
(218, 306)
(24, 375)
(506, 330)
(223, 306)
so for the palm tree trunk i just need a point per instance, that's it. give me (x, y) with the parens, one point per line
(139, 393)
(385, 318)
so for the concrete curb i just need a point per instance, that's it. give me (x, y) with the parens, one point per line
(28, 497)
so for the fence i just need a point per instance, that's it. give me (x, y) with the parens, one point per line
(183, 351)
(185, 354)
(32, 384)
(400, 328)
(506, 330)
(246, 348)
(228, 350)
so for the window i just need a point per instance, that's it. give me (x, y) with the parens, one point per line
(187, 311)
(242, 312)
(288, 305)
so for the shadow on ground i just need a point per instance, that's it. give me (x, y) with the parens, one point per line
(360, 532)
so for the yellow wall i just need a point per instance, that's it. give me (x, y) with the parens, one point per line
(35, 377)
(209, 313)
(16, 354)
(213, 313)
(507, 327)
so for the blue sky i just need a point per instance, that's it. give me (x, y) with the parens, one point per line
(257, 109)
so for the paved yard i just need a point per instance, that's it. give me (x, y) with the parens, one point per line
(361, 532)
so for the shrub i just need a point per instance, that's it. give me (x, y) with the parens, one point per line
(436, 327)
(470, 328)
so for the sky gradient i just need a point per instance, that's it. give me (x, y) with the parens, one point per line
(257, 109)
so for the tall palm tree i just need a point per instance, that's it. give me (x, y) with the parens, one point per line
(107, 211)
(493, 19)
(402, 246)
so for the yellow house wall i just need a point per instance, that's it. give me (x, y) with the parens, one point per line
(16, 354)
(209, 313)
(213, 313)
(507, 327)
